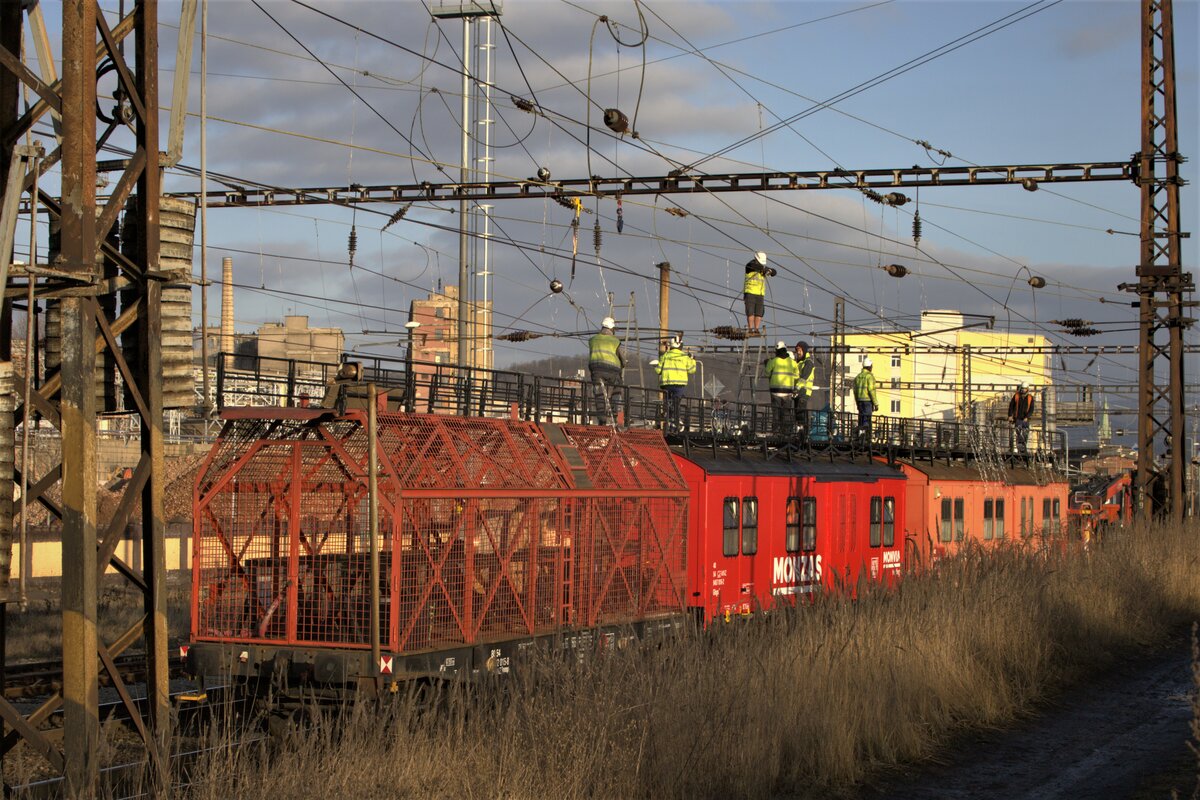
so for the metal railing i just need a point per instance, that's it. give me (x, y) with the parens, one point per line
(432, 388)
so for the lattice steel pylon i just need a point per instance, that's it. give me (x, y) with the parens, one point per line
(1161, 279)
(67, 395)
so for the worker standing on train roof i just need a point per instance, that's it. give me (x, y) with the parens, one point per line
(673, 368)
(1020, 411)
(754, 290)
(783, 373)
(864, 396)
(606, 363)
(806, 370)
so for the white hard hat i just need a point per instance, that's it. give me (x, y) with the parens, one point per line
(867, 362)
(676, 342)
(781, 345)
(608, 322)
(1024, 384)
(761, 257)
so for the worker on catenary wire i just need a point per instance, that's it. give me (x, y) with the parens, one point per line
(1020, 411)
(673, 368)
(606, 363)
(806, 370)
(754, 290)
(783, 372)
(864, 396)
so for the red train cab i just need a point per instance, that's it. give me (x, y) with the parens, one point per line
(765, 529)
(950, 505)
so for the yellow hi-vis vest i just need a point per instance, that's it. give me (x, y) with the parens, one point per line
(756, 283)
(864, 387)
(783, 372)
(603, 350)
(674, 366)
(806, 370)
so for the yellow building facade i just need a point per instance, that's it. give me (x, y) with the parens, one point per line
(932, 372)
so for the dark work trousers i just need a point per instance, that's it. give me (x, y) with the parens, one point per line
(606, 378)
(785, 412)
(865, 409)
(672, 398)
(801, 408)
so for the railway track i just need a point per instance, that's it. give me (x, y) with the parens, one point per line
(40, 678)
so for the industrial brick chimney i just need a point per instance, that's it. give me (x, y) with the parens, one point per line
(227, 305)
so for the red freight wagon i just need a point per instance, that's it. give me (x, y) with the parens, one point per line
(765, 528)
(493, 533)
(951, 504)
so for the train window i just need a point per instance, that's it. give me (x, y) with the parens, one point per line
(729, 541)
(958, 519)
(876, 520)
(749, 526)
(1045, 510)
(1023, 533)
(1057, 509)
(946, 520)
(989, 524)
(808, 522)
(791, 539)
(999, 517)
(889, 521)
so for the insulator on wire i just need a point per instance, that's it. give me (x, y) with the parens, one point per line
(1072, 322)
(728, 332)
(352, 245)
(916, 230)
(896, 270)
(399, 215)
(518, 336)
(1037, 282)
(522, 103)
(597, 237)
(616, 120)
(675, 212)
(895, 199)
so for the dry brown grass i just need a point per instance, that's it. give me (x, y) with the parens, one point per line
(797, 704)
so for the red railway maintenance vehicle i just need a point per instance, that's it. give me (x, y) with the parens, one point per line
(764, 529)
(1102, 502)
(505, 522)
(975, 503)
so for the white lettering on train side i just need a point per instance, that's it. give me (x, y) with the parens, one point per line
(891, 559)
(796, 569)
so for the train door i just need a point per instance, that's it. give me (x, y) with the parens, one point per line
(799, 569)
(748, 560)
(733, 577)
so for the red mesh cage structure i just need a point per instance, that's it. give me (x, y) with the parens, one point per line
(490, 530)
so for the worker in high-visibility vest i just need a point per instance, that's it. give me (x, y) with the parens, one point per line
(1020, 411)
(754, 291)
(674, 367)
(783, 373)
(806, 368)
(606, 363)
(864, 396)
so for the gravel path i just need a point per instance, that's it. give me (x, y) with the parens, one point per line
(1109, 739)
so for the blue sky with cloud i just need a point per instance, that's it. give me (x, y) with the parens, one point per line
(1062, 85)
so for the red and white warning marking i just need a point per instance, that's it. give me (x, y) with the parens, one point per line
(385, 665)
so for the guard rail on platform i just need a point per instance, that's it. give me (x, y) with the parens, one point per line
(432, 388)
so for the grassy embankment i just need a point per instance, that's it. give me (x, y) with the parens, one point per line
(797, 703)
